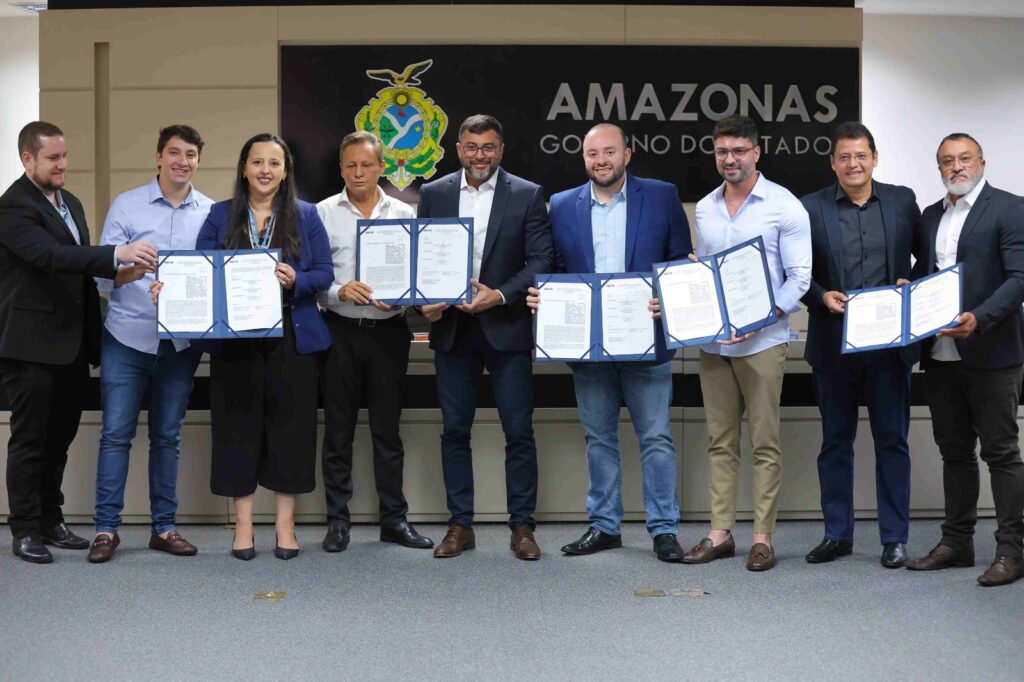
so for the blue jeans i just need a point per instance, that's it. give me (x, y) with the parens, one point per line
(646, 389)
(126, 375)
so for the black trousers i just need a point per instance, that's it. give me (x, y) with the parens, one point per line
(968, 405)
(46, 406)
(263, 402)
(368, 361)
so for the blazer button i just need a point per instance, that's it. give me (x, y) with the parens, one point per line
(297, 325)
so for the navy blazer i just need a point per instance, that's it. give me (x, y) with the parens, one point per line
(314, 272)
(900, 220)
(49, 306)
(516, 250)
(656, 231)
(991, 248)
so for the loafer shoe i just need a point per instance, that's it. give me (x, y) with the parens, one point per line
(103, 547)
(30, 548)
(61, 536)
(593, 541)
(828, 550)
(761, 558)
(705, 551)
(174, 544)
(405, 535)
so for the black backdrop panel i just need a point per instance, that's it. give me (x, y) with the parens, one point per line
(667, 98)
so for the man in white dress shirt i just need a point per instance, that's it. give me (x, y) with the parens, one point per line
(368, 357)
(745, 374)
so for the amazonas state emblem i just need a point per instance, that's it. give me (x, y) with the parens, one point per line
(408, 124)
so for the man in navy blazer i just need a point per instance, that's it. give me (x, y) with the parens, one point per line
(862, 235)
(973, 371)
(618, 222)
(511, 245)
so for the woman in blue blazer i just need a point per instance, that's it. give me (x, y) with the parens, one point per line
(263, 392)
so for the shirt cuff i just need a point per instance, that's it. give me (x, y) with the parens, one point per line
(332, 293)
(502, 296)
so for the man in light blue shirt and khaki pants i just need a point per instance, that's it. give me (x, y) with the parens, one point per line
(746, 372)
(168, 213)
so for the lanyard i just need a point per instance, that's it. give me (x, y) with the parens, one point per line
(254, 234)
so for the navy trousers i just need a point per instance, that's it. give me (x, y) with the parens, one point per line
(882, 380)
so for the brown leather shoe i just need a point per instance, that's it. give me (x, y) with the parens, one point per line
(172, 544)
(1003, 571)
(102, 549)
(457, 540)
(761, 558)
(524, 545)
(941, 557)
(704, 551)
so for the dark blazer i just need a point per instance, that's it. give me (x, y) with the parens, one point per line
(314, 272)
(517, 249)
(991, 248)
(49, 305)
(656, 231)
(900, 220)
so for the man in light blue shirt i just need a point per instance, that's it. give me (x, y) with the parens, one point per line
(167, 212)
(619, 222)
(747, 372)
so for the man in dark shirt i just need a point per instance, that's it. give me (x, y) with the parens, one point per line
(862, 234)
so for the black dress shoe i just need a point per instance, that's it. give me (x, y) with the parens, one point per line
(61, 536)
(284, 552)
(336, 539)
(894, 554)
(405, 535)
(829, 550)
(30, 548)
(593, 541)
(667, 548)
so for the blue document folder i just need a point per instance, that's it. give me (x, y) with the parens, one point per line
(905, 292)
(221, 328)
(678, 338)
(597, 351)
(414, 229)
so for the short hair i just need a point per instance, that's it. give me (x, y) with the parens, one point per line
(736, 126)
(29, 137)
(481, 123)
(625, 138)
(852, 130)
(362, 137)
(186, 133)
(955, 137)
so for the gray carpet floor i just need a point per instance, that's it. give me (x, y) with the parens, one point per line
(381, 611)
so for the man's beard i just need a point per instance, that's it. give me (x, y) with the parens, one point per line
(962, 188)
(47, 183)
(617, 174)
(482, 176)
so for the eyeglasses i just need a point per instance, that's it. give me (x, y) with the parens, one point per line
(470, 149)
(860, 157)
(737, 152)
(965, 160)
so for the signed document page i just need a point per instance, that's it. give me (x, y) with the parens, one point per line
(385, 261)
(934, 302)
(252, 292)
(689, 301)
(746, 286)
(874, 318)
(186, 299)
(563, 320)
(627, 327)
(443, 262)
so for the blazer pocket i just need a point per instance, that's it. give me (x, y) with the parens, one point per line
(44, 306)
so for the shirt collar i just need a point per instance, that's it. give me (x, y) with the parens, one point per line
(840, 194)
(383, 200)
(157, 194)
(490, 183)
(759, 190)
(617, 197)
(969, 198)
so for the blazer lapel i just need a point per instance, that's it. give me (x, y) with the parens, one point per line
(930, 222)
(889, 226)
(451, 195)
(634, 207)
(584, 226)
(972, 218)
(830, 218)
(501, 193)
(52, 219)
(79, 217)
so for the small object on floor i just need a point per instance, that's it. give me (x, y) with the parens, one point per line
(270, 596)
(696, 593)
(648, 593)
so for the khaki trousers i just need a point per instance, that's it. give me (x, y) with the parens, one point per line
(730, 386)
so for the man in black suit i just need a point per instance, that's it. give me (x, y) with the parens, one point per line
(49, 333)
(973, 371)
(511, 245)
(862, 235)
